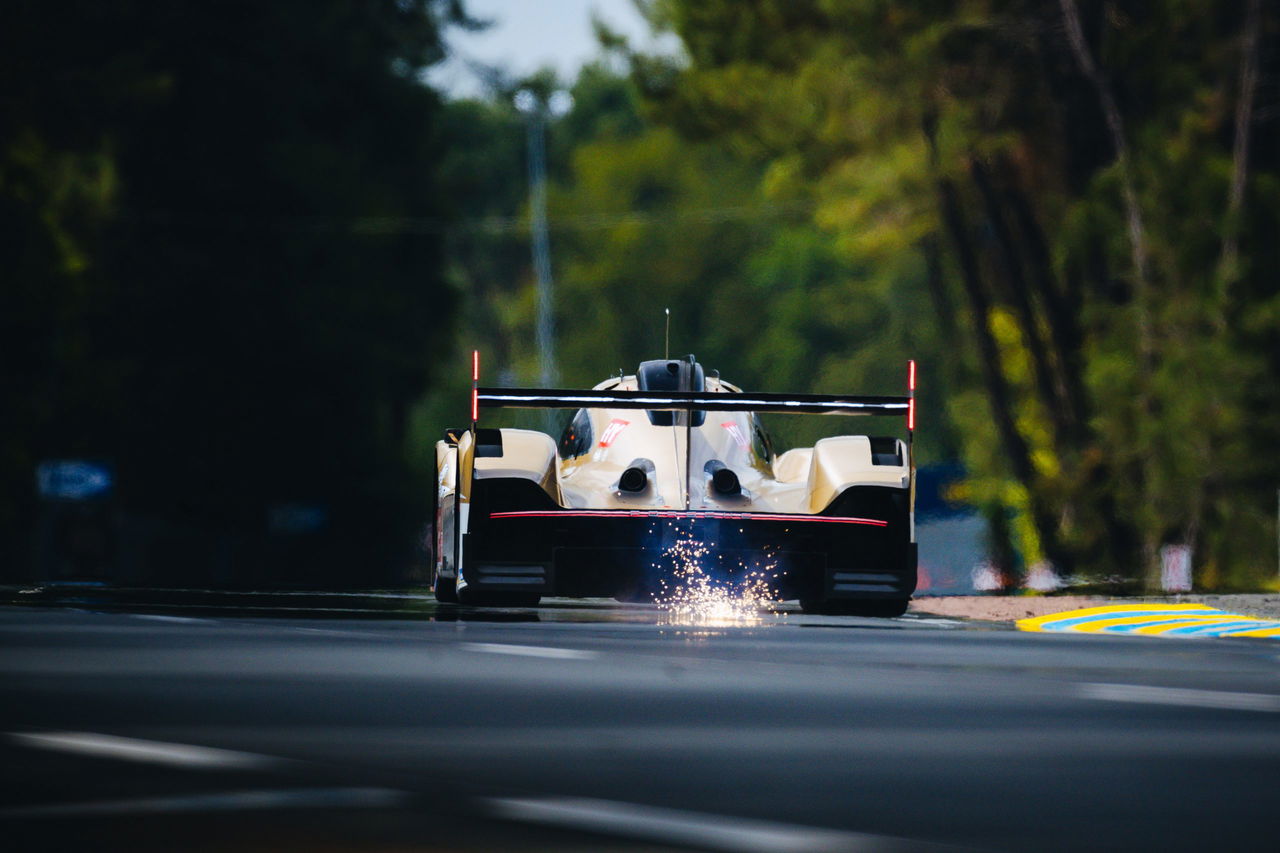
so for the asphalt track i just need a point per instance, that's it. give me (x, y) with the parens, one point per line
(388, 723)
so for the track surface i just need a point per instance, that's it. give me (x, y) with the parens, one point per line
(599, 727)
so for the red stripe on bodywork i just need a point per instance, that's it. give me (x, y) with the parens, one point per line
(667, 513)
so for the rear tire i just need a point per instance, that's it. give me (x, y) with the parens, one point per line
(446, 590)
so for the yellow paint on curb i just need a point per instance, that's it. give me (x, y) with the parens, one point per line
(1255, 632)
(1153, 620)
(1136, 612)
(1216, 619)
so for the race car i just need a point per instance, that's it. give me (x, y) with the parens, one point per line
(652, 462)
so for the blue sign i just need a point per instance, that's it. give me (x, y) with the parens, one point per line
(73, 479)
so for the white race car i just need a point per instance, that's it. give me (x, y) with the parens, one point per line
(667, 455)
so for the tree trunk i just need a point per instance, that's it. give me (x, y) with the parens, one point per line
(947, 325)
(1229, 261)
(1061, 311)
(1018, 292)
(1138, 252)
(998, 393)
(1133, 211)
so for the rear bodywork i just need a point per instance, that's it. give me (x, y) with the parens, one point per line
(641, 472)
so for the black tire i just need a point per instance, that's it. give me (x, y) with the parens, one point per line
(884, 608)
(446, 590)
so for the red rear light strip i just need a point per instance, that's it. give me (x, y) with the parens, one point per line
(728, 516)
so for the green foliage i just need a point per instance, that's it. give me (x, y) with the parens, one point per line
(1127, 407)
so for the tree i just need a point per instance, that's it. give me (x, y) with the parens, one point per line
(245, 319)
(1075, 176)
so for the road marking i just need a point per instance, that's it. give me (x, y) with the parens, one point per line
(231, 801)
(931, 620)
(530, 651)
(153, 617)
(1181, 696)
(705, 831)
(333, 632)
(153, 752)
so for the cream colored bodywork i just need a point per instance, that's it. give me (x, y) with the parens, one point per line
(803, 480)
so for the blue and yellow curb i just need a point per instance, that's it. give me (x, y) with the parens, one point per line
(1163, 620)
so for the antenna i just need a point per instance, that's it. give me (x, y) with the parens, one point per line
(667, 354)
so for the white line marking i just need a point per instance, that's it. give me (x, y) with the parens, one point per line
(930, 620)
(232, 801)
(154, 752)
(705, 831)
(153, 617)
(530, 651)
(1182, 696)
(333, 632)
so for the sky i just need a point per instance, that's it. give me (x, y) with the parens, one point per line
(529, 34)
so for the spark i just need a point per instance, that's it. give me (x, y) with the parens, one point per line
(691, 595)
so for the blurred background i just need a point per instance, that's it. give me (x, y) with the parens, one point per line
(247, 248)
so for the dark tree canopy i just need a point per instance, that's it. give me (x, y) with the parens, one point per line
(207, 281)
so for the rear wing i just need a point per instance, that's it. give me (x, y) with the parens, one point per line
(690, 401)
(813, 404)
